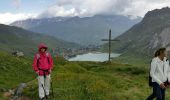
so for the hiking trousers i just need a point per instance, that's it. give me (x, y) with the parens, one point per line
(158, 92)
(44, 85)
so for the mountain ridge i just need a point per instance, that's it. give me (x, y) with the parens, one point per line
(87, 30)
(14, 38)
(148, 35)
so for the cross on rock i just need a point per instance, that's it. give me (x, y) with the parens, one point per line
(109, 40)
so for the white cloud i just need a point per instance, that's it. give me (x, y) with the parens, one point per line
(141, 7)
(93, 7)
(77, 8)
(84, 8)
(60, 11)
(7, 18)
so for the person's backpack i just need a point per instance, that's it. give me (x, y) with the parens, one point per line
(38, 57)
(150, 81)
(150, 78)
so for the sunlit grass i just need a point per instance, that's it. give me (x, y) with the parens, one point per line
(81, 80)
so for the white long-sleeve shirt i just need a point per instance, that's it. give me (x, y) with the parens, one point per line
(160, 70)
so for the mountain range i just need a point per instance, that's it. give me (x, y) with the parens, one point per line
(85, 31)
(151, 33)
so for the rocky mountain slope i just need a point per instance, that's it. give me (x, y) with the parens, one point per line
(145, 37)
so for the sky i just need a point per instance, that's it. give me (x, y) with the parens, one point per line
(13, 10)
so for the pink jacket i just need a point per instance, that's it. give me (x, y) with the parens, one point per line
(43, 63)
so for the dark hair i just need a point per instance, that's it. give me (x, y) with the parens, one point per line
(156, 53)
(159, 51)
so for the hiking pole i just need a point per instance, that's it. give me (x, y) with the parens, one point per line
(44, 87)
(44, 91)
(52, 89)
(52, 86)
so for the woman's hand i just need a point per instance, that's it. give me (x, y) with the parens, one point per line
(162, 86)
(37, 72)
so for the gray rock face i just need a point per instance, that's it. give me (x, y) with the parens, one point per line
(161, 40)
(154, 42)
(18, 91)
(165, 37)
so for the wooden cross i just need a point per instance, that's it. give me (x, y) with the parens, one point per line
(109, 40)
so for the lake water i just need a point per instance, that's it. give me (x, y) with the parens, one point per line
(99, 57)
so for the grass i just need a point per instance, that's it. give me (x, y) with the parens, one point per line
(83, 80)
(14, 70)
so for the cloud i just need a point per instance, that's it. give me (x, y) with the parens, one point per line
(141, 7)
(93, 7)
(84, 8)
(61, 11)
(7, 18)
(77, 8)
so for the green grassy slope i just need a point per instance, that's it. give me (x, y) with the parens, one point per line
(82, 80)
(13, 38)
(13, 71)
